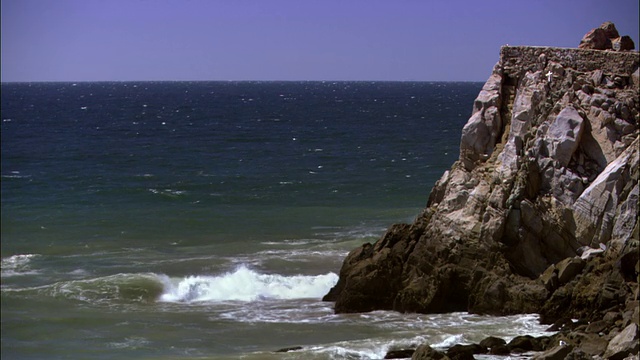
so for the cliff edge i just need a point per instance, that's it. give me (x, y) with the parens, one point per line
(539, 213)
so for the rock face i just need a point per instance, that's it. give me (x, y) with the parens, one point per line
(606, 37)
(548, 170)
(539, 213)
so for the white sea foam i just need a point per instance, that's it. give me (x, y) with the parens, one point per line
(449, 341)
(247, 285)
(18, 265)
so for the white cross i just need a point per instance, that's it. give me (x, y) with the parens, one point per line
(549, 75)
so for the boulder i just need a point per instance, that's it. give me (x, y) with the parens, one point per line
(464, 352)
(606, 37)
(609, 29)
(492, 341)
(549, 278)
(400, 354)
(569, 268)
(623, 344)
(524, 343)
(426, 352)
(623, 43)
(595, 39)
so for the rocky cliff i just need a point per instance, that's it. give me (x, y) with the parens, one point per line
(539, 213)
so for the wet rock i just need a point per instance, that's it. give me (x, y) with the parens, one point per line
(426, 352)
(288, 349)
(564, 323)
(524, 343)
(464, 352)
(400, 354)
(492, 341)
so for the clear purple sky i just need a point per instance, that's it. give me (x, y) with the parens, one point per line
(424, 40)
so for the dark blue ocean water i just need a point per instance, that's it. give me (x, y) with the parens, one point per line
(184, 158)
(207, 219)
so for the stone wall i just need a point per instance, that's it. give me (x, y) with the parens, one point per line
(519, 59)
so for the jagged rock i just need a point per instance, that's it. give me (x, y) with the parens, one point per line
(569, 268)
(481, 132)
(548, 169)
(549, 278)
(557, 353)
(623, 344)
(610, 29)
(426, 352)
(557, 178)
(594, 211)
(595, 39)
(606, 37)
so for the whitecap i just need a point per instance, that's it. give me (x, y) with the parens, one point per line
(247, 285)
(18, 265)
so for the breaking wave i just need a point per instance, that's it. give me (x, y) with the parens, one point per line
(247, 285)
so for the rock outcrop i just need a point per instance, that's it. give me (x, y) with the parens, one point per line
(606, 37)
(539, 213)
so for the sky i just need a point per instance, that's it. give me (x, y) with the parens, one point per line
(369, 40)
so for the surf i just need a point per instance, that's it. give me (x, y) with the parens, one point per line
(246, 285)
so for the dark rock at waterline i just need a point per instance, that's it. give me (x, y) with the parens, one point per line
(399, 354)
(501, 349)
(525, 343)
(495, 345)
(426, 352)
(492, 341)
(465, 352)
(287, 349)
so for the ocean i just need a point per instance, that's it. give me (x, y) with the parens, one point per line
(206, 220)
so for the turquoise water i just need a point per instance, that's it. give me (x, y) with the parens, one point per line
(182, 220)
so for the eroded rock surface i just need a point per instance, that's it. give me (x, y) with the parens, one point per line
(548, 170)
(539, 213)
